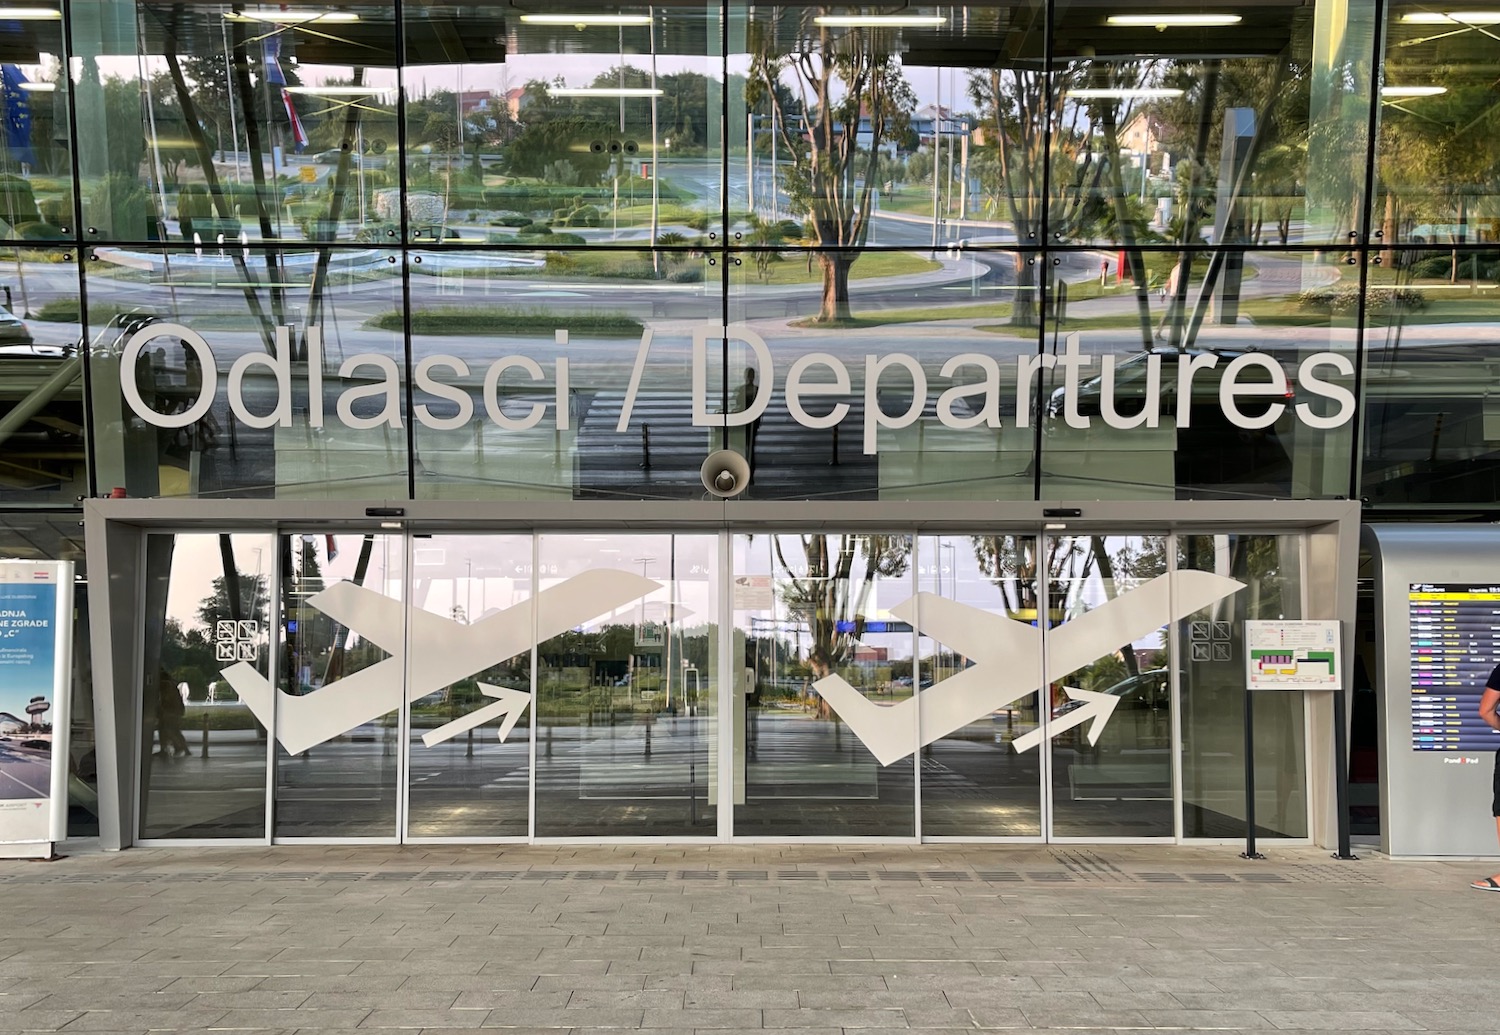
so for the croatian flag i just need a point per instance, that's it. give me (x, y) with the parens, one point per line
(271, 58)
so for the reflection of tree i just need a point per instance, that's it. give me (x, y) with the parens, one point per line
(841, 78)
(827, 586)
(1019, 565)
(217, 606)
(1063, 190)
(1435, 162)
(1194, 124)
(187, 656)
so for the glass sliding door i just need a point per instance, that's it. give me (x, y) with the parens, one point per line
(984, 778)
(1120, 784)
(1213, 688)
(340, 641)
(819, 657)
(469, 687)
(202, 749)
(626, 684)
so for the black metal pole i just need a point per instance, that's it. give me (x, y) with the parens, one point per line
(1341, 775)
(1250, 852)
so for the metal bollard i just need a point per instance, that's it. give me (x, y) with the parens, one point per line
(833, 460)
(469, 751)
(646, 447)
(648, 740)
(204, 752)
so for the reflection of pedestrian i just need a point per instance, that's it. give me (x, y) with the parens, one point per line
(1170, 297)
(1103, 272)
(1487, 705)
(169, 713)
(748, 393)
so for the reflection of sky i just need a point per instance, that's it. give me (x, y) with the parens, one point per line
(196, 562)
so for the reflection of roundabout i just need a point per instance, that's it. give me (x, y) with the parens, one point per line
(436, 262)
(216, 258)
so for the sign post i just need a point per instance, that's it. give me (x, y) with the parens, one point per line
(1295, 655)
(36, 640)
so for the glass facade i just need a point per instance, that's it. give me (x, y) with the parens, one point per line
(414, 250)
(436, 250)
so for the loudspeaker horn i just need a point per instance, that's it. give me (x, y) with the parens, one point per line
(725, 473)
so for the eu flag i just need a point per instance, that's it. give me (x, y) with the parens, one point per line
(17, 105)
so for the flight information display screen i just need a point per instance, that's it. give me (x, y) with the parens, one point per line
(1455, 645)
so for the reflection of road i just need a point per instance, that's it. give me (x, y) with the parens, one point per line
(605, 779)
(24, 772)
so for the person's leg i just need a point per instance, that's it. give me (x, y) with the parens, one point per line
(1493, 883)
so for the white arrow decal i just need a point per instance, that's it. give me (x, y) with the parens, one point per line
(1007, 667)
(1096, 706)
(510, 703)
(1006, 655)
(443, 651)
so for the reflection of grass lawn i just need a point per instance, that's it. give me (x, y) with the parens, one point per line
(884, 317)
(499, 320)
(793, 268)
(1088, 323)
(1284, 312)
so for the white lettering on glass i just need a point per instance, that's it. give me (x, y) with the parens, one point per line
(261, 389)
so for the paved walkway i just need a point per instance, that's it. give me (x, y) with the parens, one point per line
(720, 939)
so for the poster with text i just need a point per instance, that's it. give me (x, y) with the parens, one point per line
(35, 628)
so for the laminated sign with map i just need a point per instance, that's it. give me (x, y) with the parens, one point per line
(1292, 655)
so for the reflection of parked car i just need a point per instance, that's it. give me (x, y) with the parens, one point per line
(12, 330)
(1148, 690)
(1441, 233)
(1210, 451)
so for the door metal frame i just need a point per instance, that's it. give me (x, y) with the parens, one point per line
(116, 530)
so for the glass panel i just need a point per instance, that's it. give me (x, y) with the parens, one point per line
(1432, 422)
(36, 171)
(1213, 688)
(813, 607)
(1435, 153)
(340, 778)
(1230, 379)
(975, 783)
(465, 780)
(203, 751)
(41, 369)
(1227, 122)
(555, 129)
(942, 328)
(524, 366)
(204, 122)
(1120, 785)
(230, 371)
(919, 173)
(58, 537)
(626, 685)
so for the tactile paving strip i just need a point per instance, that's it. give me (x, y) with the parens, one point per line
(1077, 875)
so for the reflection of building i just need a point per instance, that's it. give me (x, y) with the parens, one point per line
(1141, 138)
(473, 101)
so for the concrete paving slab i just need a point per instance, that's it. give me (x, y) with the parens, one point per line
(714, 940)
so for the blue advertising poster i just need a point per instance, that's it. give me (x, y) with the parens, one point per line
(29, 677)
